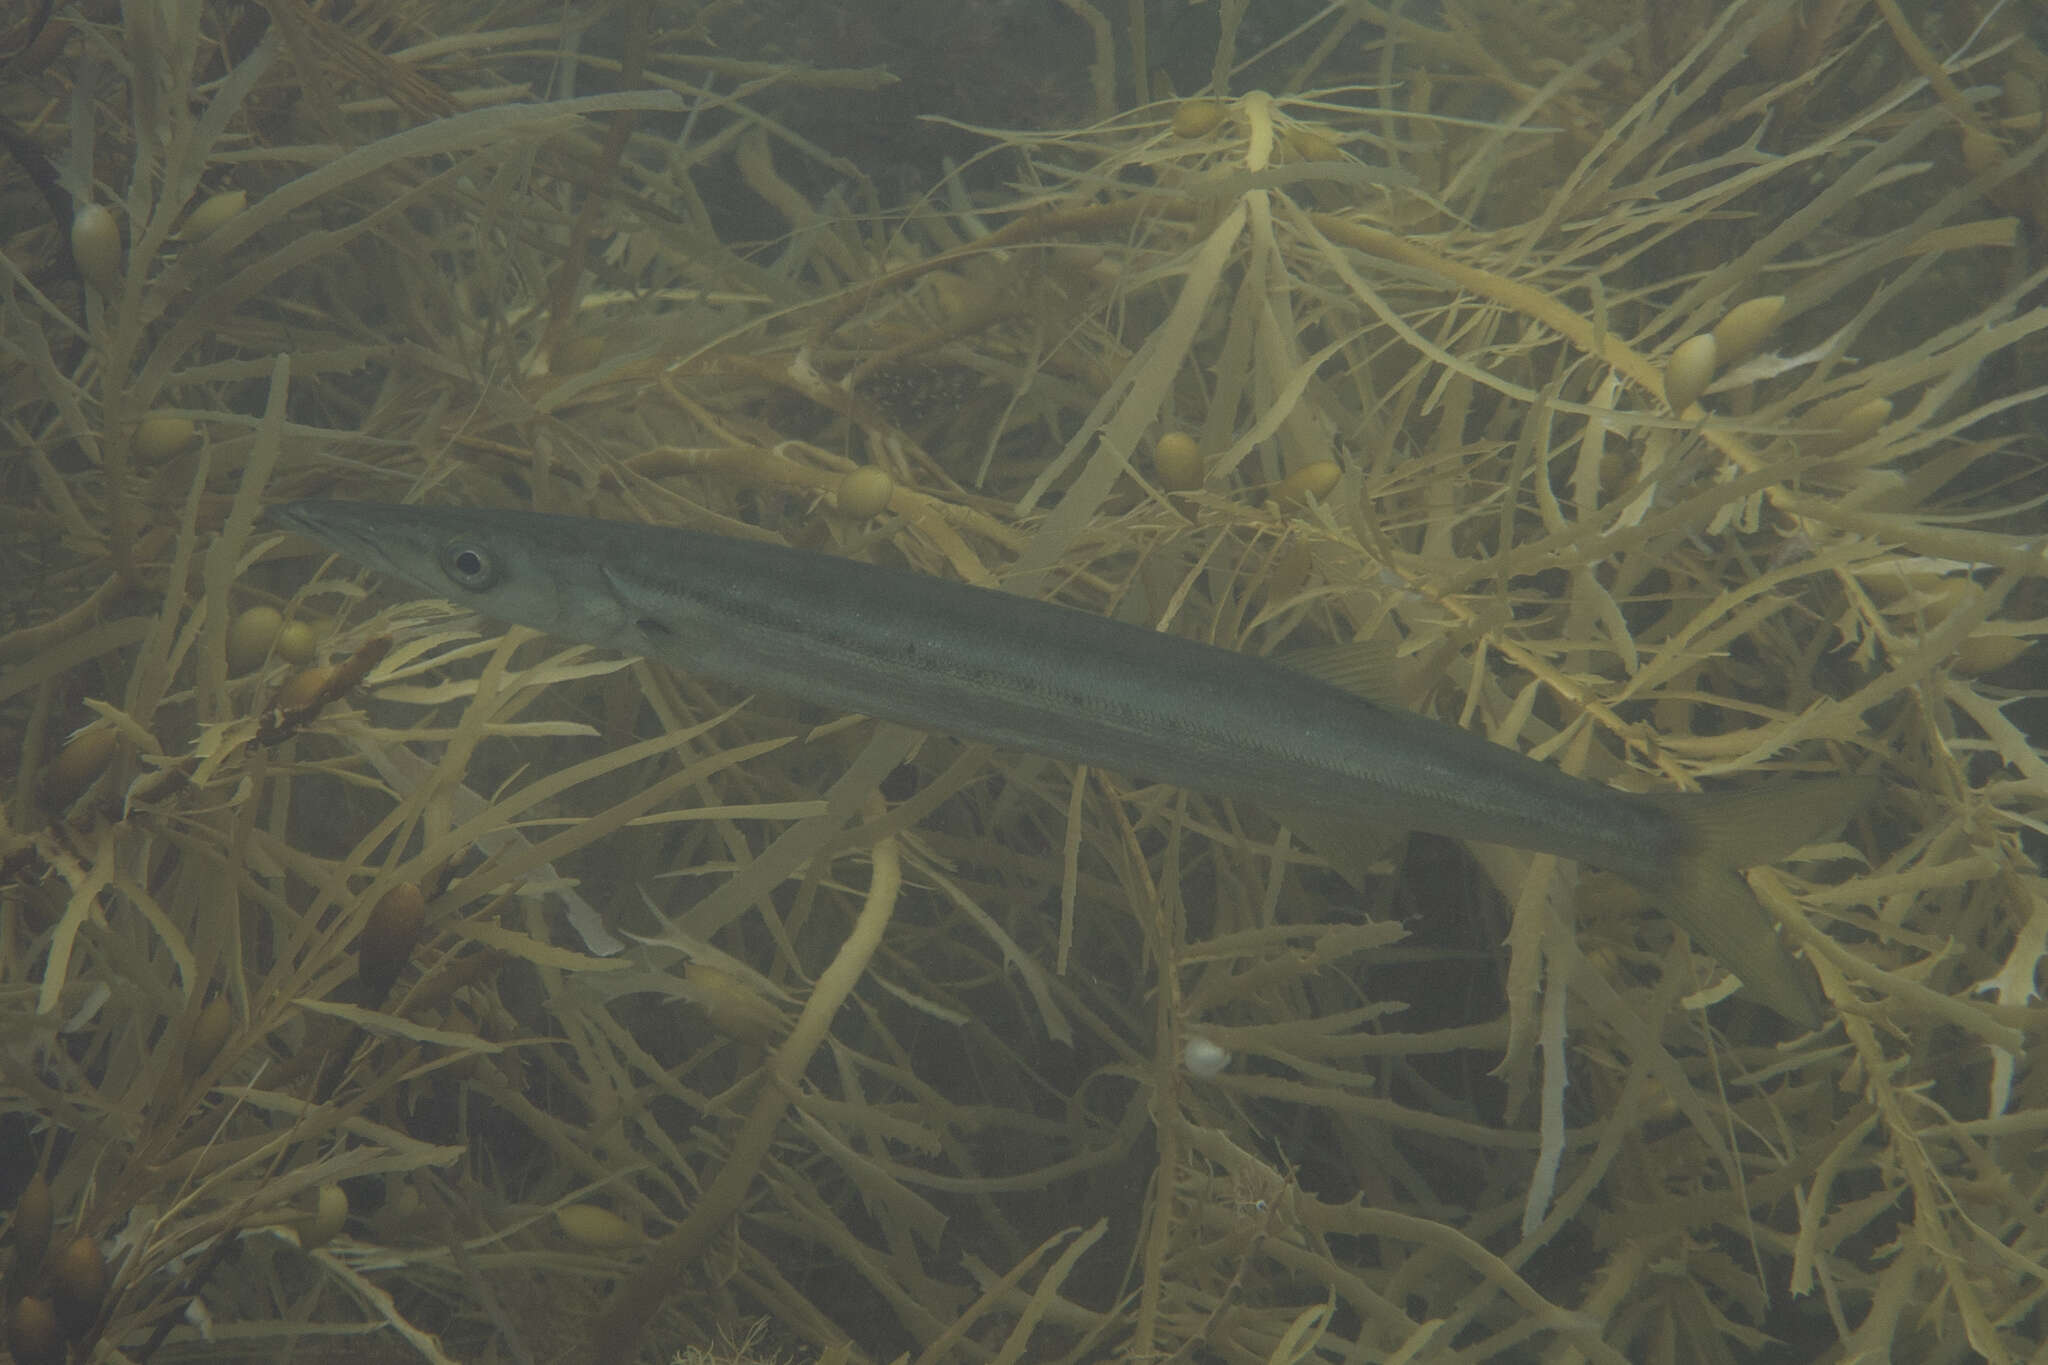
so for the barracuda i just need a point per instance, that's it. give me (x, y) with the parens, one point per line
(1029, 675)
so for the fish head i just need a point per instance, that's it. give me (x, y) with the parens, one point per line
(538, 570)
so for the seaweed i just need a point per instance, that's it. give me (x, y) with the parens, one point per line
(1653, 383)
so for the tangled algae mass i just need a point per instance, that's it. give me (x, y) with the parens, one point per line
(1656, 382)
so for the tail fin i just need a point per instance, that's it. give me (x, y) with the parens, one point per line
(1702, 889)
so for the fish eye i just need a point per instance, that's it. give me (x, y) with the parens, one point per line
(471, 566)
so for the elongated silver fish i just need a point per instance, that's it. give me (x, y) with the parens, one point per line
(1051, 680)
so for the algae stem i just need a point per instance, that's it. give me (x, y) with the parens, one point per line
(626, 1315)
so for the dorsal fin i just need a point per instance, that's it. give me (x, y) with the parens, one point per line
(1364, 668)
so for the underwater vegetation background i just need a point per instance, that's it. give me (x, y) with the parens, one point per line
(1660, 382)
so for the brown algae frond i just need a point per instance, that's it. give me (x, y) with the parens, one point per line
(1646, 387)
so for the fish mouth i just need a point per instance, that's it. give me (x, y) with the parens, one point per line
(339, 526)
(302, 516)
